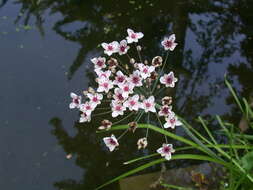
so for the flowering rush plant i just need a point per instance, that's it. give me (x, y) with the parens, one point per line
(131, 88)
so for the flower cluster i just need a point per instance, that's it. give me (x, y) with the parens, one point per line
(130, 87)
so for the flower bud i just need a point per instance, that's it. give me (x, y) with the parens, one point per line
(132, 61)
(91, 90)
(85, 92)
(105, 125)
(154, 75)
(157, 61)
(167, 100)
(109, 95)
(138, 48)
(112, 63)
(142, 143)
(132, 126)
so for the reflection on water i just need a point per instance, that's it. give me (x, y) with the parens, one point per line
(214, 38)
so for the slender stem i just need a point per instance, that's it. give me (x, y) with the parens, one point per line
(121, 67)
(128, 56)
(160, 72)
(123, 118)
(137, 118)
(159, 91)
(122, 134)
(103, 108)
(147, 128)
(166, 140)
(101, 113)
(139, 54)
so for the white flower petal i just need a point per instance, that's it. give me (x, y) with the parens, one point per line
(140, 35)
(168, 156)
(172, 37)
(73, 95)
(72, 105)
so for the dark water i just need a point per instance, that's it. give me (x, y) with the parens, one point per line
(45, 48)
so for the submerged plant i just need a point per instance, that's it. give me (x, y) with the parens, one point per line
(133, 87)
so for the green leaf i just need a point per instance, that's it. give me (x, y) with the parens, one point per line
(234, 95)
(188, 148)
(140, 158)
(159, 130)
(175, 187)
(132, 172)
(247, 161)
(176, 157)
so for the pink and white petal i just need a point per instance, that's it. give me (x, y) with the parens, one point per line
(140, 35)
(123, 42)
(73, 95)
(100, 96)
(90, 96)
(72, 105)
(115, 44)
(164, 41)
(152, 109)
(172, 37)
(178, 123)
(129, 40)
(151, 99)
(111, 147)
(115, 114)
(160, 150)
(100, 89)
(104, 45)
(173, 46)
(168, 156)
(166, 125)
(109, 53)
(163, 80)
(129, 31)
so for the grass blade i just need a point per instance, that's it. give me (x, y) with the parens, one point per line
(132, 172)
(234, 95)
(176, 157)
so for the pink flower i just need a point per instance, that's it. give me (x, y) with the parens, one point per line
(76, 101)
(166, 151)
(165, 111)
(101, 73)
(84, 118)
(87, 108)
(169, 80)
(127, 88)
(149, 104)
(111, 142)
(133, 36)
(117, 108)
(120, 78)
(104, 84)
(172, 121)
(123, 47)
(169, 43)
(119, 96)
(132, 103)
(95, 99)
(135, 78)
(145, 70)
(110, 48)
(99, 62)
